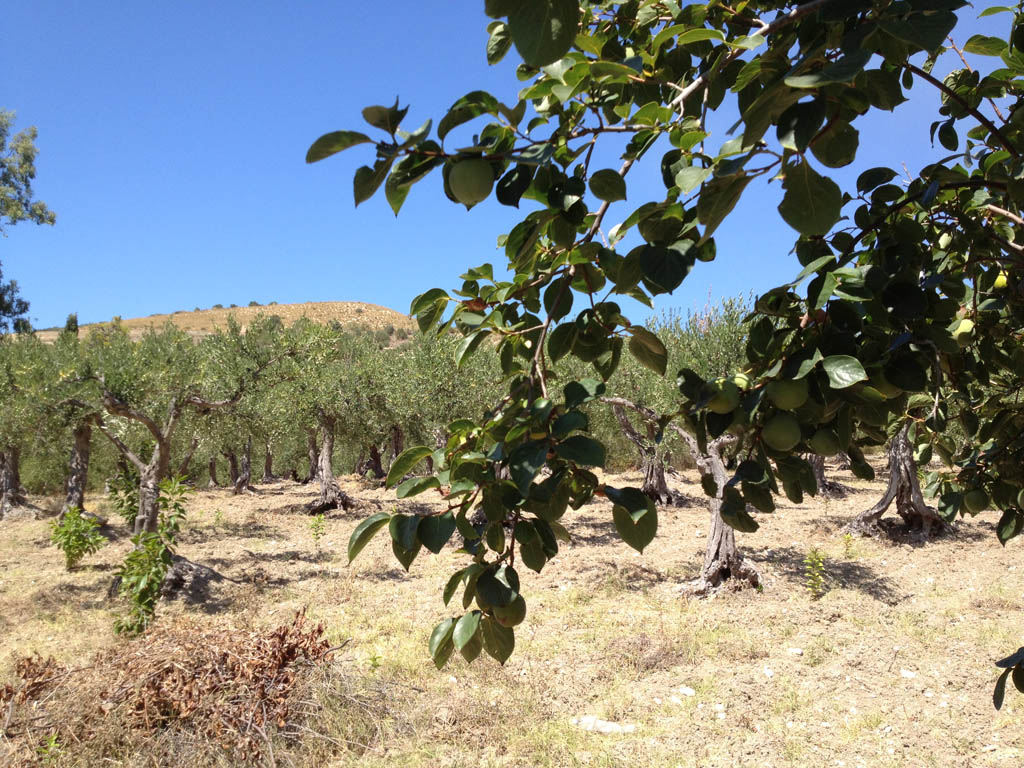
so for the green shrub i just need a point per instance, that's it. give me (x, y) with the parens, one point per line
(144, 569)
(76, 537)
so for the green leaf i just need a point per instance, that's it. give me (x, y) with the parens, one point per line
(812, 203)
(635, 516)
(499, 42)
(368, 180)
(799, 123)
(453, 584)
(465, 109)
(386, 118)
(525, 462)
(405, 556)
(499, 641)
(843, 371)
(842, 71)
(332, 143)
(581, 449)
(498, 587)
(1010, 524)
(468, 346)
(718, 199)
(441, 645)
(416, 485)
(928, 31)
(608, 185)
(403, 530)
(435, 530)
(734, 513)
(664, 268)
(543, 30)
(691, 177)
(404, 463)
(874, 177)
(648, 349)
(465, 629)
(837, 146)
(364, 532)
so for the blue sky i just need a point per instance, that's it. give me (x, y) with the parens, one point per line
(171, 146)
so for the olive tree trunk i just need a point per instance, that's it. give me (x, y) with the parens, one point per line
(78, 469)
(724, 564)
(828, 489)
(243, 483)
(313, 453)
(268, 465)
(905, 489)
(183, 467)
(11, 494)
(232, 466)
(212, 468)
(652, 453)
(331, 495)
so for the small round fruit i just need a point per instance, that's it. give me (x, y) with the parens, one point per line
(964, 332)
(741, 380)
(471, 180)
(825, 442)
(512, 614)
(787, 394)
(725, 398)
(1000, 281)
(781, 432)
(976, 500)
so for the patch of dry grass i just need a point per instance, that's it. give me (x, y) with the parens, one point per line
(892, 666)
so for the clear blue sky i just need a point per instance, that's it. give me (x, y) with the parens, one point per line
(171, 146)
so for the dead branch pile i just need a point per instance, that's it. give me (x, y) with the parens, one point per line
(223, 686)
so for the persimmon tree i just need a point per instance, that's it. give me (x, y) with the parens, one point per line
(909, 302)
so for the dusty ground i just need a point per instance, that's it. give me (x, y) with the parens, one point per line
(206, 321)
(891, 667)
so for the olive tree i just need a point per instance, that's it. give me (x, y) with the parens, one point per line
(917, 283)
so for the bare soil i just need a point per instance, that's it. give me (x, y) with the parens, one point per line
(891, 666)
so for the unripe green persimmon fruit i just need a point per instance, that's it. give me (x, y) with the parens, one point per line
(471, 180)
(825, 442)
(976, 500)
(1000, 281)
(512, 614)
(781, 432)
(787, 394)
(726, 396)
(964, 332)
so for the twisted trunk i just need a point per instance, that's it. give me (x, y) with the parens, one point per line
(268, 465)
(11, 494)
(78, 469)
(242, 482)
(232, 466)
(826, 488)
(905, 489)
(213, 473)
(331, 495)
(183, 467)
(313, 453)
(652, 453)
(724, 564)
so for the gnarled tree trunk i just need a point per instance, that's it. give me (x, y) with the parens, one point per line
(652, 454)
(268, 465)
(826, 488)
(11, 494)
(213, 473)
(313, 453)
(78, 469)
(232, 466)
(183, 467)
(724, 564)
(331, 495)
(905, 489)
(243, 481)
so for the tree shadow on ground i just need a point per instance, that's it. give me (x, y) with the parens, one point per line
(847, 574)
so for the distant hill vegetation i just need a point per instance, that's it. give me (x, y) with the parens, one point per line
(201, 322)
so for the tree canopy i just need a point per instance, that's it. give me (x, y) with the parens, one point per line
(909, 304)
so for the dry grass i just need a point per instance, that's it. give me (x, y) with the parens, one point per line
(895, 666)
(206, 321)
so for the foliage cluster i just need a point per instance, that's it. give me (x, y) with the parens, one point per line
(76, 536)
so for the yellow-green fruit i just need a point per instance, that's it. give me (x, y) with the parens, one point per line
(886, 387)
(512, 614)
(471, 180)
(964, 332)
(725, 398)
(741, 380)
(1000, 281)
(945, 240)
(976, 500)
(788, 394)
(781, 432)
(825, 442)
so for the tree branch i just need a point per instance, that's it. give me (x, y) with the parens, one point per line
(124, 449)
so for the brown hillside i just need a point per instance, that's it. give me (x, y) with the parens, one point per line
(206, 321)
